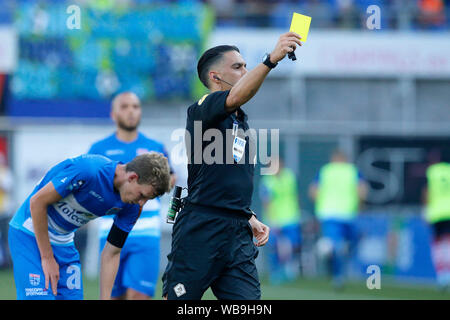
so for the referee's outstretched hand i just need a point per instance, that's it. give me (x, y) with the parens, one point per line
(260, 231)
(286, 43)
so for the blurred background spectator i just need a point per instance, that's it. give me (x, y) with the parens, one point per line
(281, 211)
(337, 192)
(432, 14)
(437, 199)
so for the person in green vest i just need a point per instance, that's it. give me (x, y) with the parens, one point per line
(281, 211)
(437, 214)
(337, 192)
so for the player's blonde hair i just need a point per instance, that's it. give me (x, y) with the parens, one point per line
(152, 168)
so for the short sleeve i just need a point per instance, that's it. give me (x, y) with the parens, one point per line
(126, 218)
(210, 109)
(70, 179)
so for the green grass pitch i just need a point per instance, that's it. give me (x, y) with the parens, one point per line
(302, 289)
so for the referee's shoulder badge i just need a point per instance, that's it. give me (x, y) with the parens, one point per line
(202, 99)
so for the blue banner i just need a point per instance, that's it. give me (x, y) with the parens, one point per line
(400, 246)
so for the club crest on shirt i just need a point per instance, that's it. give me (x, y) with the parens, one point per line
(140, 151)
(35, 279)
(75, 185)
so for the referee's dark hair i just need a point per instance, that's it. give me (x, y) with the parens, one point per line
(209, 58)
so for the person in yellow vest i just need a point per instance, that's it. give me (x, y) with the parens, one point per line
(337, 192)
(437, 214)
(281, 211)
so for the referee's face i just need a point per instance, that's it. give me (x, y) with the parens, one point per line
(232, 68)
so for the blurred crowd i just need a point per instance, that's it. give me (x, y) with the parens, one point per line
(128, 40)
(341, 14)
(151, 50)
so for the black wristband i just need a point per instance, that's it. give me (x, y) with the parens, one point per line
(267, 62)
(117, 236)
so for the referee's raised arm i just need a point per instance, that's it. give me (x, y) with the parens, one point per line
(249, 84)
(222, 68)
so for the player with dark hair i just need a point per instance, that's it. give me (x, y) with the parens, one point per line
(71, 194)
(212, 240)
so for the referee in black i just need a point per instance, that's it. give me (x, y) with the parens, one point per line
(212, 239)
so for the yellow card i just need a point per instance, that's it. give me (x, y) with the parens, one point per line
(300, 25)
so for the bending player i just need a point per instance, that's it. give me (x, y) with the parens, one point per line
(71, 194)
(139, 259)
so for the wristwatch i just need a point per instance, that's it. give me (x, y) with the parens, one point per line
(267, 62)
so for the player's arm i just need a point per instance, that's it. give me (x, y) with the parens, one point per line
(38, 208)
(249, 84)
(110, 259)
(424, 195)
(312, 191)
(363, 190)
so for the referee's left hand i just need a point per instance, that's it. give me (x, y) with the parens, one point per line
(260, 231)
(287, 43)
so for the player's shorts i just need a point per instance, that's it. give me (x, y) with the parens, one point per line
(139, 265)
(211, 248)
(29, 276)
(291, 232)
(339, 231)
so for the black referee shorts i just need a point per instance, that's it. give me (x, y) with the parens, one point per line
(211, 248)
